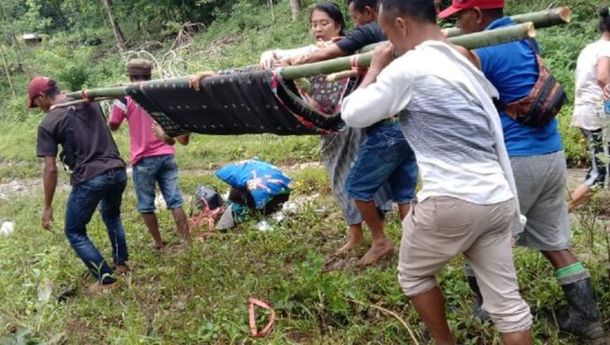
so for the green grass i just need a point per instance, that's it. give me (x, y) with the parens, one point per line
(197, 294)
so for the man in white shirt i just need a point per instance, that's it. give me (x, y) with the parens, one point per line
(467, 201)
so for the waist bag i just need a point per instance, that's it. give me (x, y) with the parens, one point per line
(542, 104)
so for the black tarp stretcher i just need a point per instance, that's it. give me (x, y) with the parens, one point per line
(244, 101)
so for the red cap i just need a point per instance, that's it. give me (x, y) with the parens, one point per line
(37, 86)
(460, 5)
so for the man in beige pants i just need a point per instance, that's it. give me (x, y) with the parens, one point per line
(467, 201)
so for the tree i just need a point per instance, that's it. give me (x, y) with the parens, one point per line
(116, 29)
(295, 7)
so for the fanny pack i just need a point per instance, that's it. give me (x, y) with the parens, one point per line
(542, 104)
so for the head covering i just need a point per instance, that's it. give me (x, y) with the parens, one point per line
(139, 67)
(37, 86)
(460, 5)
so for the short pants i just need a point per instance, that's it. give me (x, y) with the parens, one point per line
(440, 228)
(541, 183)
(152, 170)
(384, 156)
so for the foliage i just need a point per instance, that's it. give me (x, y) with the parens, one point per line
(197, 294)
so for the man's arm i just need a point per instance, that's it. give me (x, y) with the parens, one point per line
(470, 55)
(184, 139)
(603, 71)
(159, 133)
(330, 52)
(383, 93)
(117, 115)
(49, 180)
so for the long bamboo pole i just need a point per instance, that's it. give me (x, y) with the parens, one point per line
(113, 92)
(471, 41)
(541, 19)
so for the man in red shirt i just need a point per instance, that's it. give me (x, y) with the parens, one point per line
(152, 157)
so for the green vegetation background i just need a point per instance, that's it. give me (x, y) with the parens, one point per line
(198, 294)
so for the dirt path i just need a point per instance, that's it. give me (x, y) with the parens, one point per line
(18, 188)
(29, 187)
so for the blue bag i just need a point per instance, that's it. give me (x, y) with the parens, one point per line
(263, 180)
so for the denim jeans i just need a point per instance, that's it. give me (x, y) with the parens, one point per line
(107, 189)
(150, 171)
(384, 156)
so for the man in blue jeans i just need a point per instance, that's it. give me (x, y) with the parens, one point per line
(98, 176)
(152, 157)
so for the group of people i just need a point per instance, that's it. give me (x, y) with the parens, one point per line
(425, 110)
(488, 180)
(98, 173)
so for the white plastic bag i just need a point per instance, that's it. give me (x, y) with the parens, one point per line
(7, 229)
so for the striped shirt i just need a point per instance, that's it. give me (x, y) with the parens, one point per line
(447, 126)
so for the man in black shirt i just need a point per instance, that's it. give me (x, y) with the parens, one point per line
(98, 175)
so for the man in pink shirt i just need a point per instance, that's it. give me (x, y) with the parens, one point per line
(152, 157)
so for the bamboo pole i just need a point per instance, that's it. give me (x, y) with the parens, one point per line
(77, 102)
(341, 75)
(541, 19)
(113, 92)
(471, 41)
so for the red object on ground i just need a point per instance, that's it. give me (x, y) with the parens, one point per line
(252, 303)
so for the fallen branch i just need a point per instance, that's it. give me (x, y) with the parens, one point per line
(389, 312)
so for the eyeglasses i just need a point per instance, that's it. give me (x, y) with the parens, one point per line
(321, 24)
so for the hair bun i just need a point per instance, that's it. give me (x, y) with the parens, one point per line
(604, 11)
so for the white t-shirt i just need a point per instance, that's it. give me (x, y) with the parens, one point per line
(588, 99)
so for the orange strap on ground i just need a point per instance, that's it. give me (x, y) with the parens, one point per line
(252, 303)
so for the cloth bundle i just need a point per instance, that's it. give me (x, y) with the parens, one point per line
(243, 101)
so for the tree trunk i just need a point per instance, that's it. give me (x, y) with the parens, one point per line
(116, 29)
(7, 71)
(295, 7)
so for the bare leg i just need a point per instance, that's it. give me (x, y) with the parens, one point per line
(403, 210)
(354, 240)
(560, 258)
(381, 246)
(430, 306)
(580, 195)
(518, 338)
(181, 223)
(150, 219)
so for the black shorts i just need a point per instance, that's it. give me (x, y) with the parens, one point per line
(597, 173)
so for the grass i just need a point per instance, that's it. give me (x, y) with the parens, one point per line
(197, 294)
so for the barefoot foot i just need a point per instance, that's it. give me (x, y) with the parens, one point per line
(352, 243)
(121, 269)
(160, 245)
(98, 288)
(376, 252)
